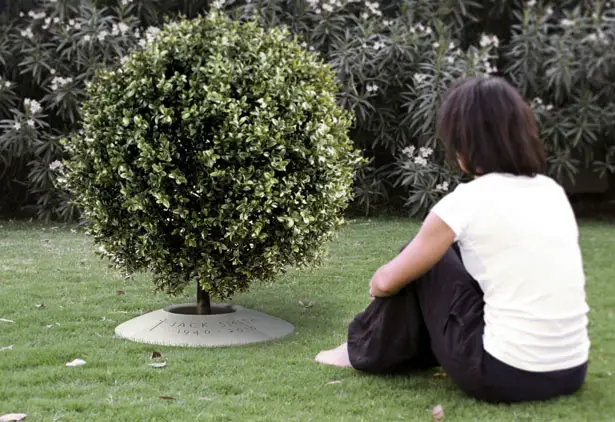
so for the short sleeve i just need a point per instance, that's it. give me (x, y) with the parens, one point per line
(456, 210)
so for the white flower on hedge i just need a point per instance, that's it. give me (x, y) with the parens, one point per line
(59, 82)
(442, 187)
(123, 60)
(418, 160)
(450, 59)
(549, 11)
(102, 35)
(373, 7)
(31, 123)
(56, 165)
(489, 40)
(17, 126)
(419, 77)
(598, 37)
(378, 45)
(409, 151)
(32, 105)
(436, 45)
(489, 69)
(531, 3)
(36, 16)
(372, 88)
(452, 45)
(388, 22)
(218, 4)
(125, 2)
(566, 23)
(27, 33)
(87, 38)
(425, 152)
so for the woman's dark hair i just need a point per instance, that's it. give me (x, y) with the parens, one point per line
(487, 127)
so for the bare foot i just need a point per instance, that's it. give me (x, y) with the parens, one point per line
(336, 357)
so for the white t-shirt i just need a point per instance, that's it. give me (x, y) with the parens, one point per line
(519, 240)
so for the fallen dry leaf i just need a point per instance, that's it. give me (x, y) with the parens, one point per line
(306, 305)
(6, 348)
(12, 417)
(333, 382)
(158, 365)
(156, 355)
(205, 398)
(76, 362)
(7, 320)
(41, 306)
(49, 325)
(167, 398)
(119, 292)
(437, 412)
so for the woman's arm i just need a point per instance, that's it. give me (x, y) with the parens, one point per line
(423, 252)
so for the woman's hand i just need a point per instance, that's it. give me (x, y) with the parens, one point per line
(423, 252)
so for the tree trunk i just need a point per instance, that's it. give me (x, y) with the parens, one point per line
(203, 304)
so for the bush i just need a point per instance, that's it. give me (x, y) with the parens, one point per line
(216, 154)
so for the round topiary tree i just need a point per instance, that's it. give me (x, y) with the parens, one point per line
(216, 154)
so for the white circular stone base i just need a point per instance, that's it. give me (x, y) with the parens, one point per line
(229, 325)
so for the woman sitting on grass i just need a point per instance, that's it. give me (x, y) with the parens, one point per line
(492, 287)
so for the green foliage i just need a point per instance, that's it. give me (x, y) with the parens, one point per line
(564, 61)
(393, 59)
(217, 153)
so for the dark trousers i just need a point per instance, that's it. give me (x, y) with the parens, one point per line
(438, 320)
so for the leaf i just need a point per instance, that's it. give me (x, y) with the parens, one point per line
(6, 348)
(12, 417)
(333, 382)
(167, 398)
(119, 292)
(205, 398)
(437, 412)
(7, 320)
(306, 305)
(76, 362)
(158, 364)
(156, 355)
(41, 306)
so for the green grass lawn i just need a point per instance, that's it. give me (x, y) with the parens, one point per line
(273, 381)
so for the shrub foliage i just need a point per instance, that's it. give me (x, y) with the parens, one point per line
(217, 153)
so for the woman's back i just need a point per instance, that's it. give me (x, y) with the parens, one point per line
(519, 239)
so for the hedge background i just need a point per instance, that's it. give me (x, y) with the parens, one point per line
(393, 59)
